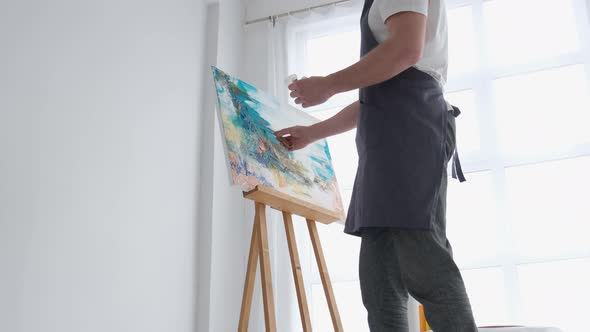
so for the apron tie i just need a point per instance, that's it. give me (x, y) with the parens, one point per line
(457, 171)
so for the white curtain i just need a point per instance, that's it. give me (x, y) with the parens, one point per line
(264, 67)
(267, 67)
(265, 8)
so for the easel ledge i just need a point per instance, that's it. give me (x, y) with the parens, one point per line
(283, 202)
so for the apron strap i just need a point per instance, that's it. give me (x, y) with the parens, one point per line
(457, 171)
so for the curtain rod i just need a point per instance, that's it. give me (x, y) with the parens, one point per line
(273, 18)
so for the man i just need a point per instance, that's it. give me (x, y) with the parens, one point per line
(405, 138)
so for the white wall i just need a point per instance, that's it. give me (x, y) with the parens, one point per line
(225, 221)
(205, 225)
(230, 233)
(223, 233)
(99, 124)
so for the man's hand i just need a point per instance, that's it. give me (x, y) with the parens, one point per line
(298, 137)
(295, 138)
(311, 91)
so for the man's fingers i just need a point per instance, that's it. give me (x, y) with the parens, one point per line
(298, 100)
(293, 86)
(290, 143)
(286, 142)
(294, 94)
(283, 132)
(291, 146)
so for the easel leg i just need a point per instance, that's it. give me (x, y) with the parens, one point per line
(297, 275)
(319, 257)
(267, 293)
(250, 276)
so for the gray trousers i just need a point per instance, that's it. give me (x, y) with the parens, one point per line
(395, 262)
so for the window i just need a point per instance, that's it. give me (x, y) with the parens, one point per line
(520, 72)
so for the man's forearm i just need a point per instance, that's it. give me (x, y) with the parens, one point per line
(343, 121)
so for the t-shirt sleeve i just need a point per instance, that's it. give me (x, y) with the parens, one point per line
(392, 7)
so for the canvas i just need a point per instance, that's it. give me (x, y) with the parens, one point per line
(249, 118)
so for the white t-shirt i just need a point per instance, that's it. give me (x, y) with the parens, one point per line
(435, 58)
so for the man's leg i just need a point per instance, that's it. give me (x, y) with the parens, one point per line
(433, 279)
(431, 275)
(384, 295)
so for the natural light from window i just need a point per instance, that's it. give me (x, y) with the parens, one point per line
(519, 226)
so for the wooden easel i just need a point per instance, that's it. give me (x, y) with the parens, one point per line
(262, 197)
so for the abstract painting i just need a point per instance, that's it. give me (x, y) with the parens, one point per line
(249, 118)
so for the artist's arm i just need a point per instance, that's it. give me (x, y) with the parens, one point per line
(298, 137)
(399, 52)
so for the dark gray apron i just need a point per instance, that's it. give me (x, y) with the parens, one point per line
(400, 139)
